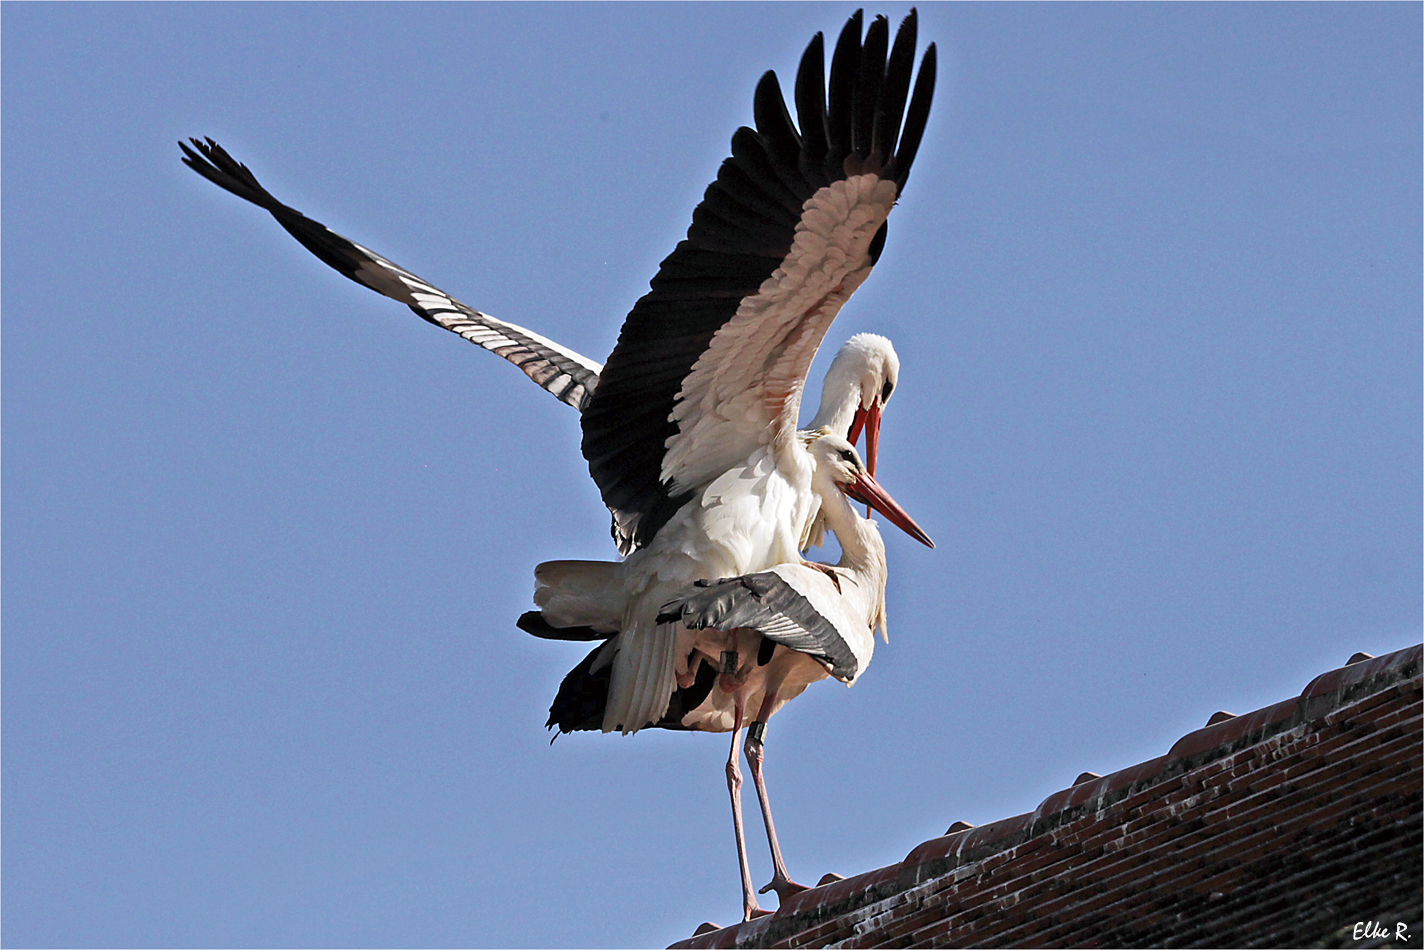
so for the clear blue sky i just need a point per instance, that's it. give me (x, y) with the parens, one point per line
(1155, 282)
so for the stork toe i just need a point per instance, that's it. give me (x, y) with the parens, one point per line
(785, 887)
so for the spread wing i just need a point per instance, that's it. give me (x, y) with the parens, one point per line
(711, 362)
(570, 377)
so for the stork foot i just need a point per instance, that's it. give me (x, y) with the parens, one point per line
(785, 887)
(753, 911)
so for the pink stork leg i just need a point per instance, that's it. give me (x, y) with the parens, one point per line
(756, 754)
(750, 907)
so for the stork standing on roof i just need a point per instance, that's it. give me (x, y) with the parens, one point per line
(689, 430)
(757, 641)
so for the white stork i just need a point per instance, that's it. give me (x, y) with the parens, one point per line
(690, 429)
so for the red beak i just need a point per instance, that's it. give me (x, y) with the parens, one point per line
(857, 422)
(872, 439)
(869, 420)
(867, 491)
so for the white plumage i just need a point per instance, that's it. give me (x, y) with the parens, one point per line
(690, 427)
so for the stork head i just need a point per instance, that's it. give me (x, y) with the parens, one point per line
(858, 384)
(838, 466)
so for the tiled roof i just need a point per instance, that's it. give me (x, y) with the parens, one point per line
(1283, 827)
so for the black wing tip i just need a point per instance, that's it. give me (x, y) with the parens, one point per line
(195, 153)
(871, 78)
(582, 697)
(207, 151)
(533, 623)
(916, 116)
(212, 161)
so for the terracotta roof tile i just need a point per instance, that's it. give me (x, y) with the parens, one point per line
(1273, 828)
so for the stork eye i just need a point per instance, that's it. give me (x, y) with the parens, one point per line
(848, 454)
(886, 390)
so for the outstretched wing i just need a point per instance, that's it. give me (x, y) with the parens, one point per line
(569, 376)
(711, 362)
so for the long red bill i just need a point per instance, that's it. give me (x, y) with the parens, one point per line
(866, 490)
(869, 421)
(857, 422)
(872, 438)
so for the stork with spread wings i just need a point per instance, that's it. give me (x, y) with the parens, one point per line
(690, 428)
